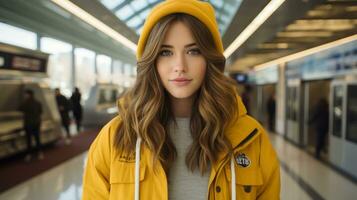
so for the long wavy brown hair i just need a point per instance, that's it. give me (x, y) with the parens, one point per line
(146, 110)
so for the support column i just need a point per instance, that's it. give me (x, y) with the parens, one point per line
(281, 101)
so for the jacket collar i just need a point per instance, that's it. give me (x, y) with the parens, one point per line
(239, 131)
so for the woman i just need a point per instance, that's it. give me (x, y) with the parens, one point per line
(182, 132)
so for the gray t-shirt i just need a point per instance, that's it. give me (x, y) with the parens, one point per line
(182, 183)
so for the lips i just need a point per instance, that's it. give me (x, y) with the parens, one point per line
(181, 81)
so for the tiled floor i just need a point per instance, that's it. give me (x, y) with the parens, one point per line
(325, 181)
(63, 182)
(300, 171)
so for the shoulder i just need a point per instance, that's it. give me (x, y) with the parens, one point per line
(104, 140)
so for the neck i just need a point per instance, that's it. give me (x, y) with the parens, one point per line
(182, 107)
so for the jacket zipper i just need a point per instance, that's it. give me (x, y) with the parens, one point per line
(244, 141)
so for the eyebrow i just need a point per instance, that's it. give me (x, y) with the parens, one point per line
(170, 46)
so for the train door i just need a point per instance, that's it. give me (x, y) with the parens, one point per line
(337, 108)
(293, 109)
(343, 126)
(349, 161)
(314, 93)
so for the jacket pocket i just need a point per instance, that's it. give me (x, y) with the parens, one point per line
(122, 180)
(248, 180)
(124, 173)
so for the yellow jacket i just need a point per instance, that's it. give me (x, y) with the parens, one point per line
(256, 173)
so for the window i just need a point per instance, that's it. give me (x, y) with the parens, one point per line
(337, 110)
(127, 70)
(85, 70)
(127, 73)
(117, 72)
(104, 69)
(59, 64)
(17, 36)
(351, 123)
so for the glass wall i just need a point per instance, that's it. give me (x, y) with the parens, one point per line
(59, 64)
(17, 36)
(127, 73)
(117, 72)
(64, 59)
(84, 61)
(104, 69)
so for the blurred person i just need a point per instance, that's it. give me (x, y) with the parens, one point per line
(320, 119)
(63, 105)
(271, 108)
(77, 107)
(182, 131)
(246, 97)
(32, 110)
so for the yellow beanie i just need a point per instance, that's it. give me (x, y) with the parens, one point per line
(203, 11)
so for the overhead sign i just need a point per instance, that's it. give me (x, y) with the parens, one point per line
(325, 64)
(10, 61)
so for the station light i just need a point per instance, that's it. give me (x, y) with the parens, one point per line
(273, 45)
(296, 34)
(253, 26)
(88, 18)
(322, 24)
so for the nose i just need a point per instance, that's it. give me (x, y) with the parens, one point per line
(179, 63)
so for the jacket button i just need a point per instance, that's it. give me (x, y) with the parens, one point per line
(218, 189)
(247, 188)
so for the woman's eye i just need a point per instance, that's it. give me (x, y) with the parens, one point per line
(194, 51)
(165, 53)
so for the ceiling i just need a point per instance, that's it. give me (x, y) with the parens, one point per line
(134, 12)
(47, 19)
(295, 26)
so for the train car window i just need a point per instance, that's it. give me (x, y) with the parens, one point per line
(295, 103)
(106, 96)
(337, 110)
(351, 125)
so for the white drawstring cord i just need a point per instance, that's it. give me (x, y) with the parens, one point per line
(137, 168)
(233, 178)
(137, 172)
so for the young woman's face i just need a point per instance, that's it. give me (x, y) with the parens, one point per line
(180, 64)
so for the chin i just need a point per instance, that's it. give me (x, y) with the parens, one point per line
(181, 95)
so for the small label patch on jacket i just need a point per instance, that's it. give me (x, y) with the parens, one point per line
(127, 158)
(242, 160)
